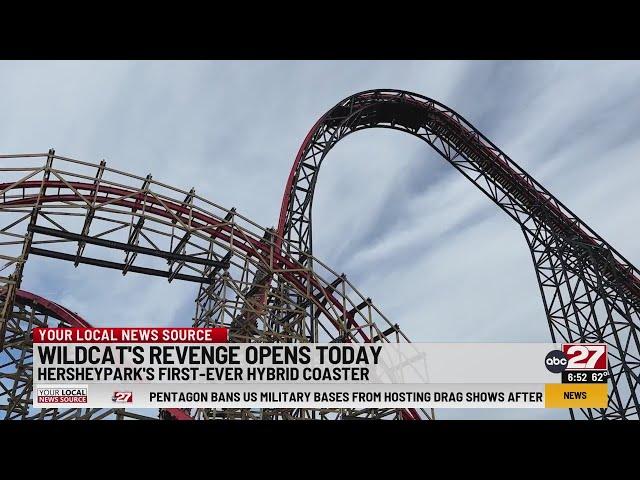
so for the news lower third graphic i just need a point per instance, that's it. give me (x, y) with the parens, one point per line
(197, 368)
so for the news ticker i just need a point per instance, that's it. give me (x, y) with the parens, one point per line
(197, 368)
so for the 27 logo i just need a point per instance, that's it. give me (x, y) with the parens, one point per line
(585, 356)
(577, 356)
(122, 397)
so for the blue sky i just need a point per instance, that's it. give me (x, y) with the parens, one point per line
(431, 251)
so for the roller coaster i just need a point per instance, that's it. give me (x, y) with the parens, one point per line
(264, 284)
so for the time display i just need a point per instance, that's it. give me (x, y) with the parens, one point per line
(585, 377)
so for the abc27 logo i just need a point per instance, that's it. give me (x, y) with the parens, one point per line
(579, 362)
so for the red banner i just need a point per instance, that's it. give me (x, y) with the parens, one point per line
(131, 335)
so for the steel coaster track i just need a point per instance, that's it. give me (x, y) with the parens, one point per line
(590, 292)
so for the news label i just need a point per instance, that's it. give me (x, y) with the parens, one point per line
(61, 394)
